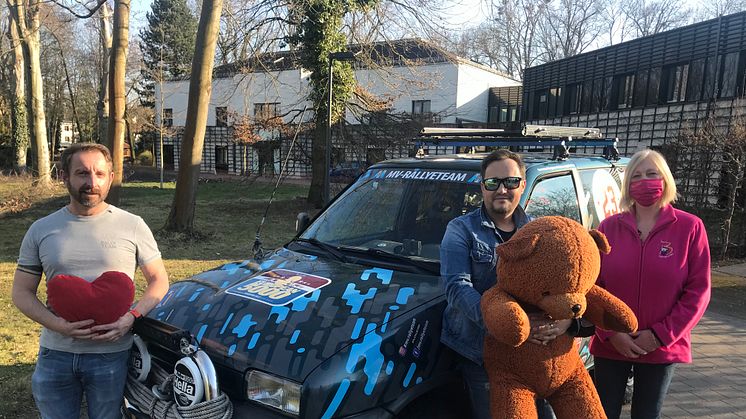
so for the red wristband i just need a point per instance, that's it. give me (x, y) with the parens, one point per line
(136, 314)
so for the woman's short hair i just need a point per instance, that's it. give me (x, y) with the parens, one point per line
(669, 184)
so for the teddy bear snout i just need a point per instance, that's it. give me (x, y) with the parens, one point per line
(563, 306)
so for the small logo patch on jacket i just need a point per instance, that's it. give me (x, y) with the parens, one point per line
(666, 249)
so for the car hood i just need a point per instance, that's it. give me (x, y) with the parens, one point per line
(289, 312)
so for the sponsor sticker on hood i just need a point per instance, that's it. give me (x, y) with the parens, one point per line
(278, 287)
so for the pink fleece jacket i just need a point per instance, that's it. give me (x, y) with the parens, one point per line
(665, 280)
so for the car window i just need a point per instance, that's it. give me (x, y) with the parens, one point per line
(365, 212)
(602, 194)
(398, 211)
(554, 196)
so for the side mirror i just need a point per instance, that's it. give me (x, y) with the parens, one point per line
(301, 222)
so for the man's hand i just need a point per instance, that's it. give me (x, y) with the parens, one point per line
(114, 331)
(646, 340)
(626, 345)
(544, 329)
(78, 330)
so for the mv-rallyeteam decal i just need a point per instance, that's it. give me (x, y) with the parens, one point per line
(433, 175)
(278, 287)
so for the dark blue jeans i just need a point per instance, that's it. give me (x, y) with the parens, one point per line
(478, 385)
(650, 388)
(61, 378)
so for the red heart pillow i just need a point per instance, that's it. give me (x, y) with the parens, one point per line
(104, 300)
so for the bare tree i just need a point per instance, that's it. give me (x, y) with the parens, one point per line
(518, 25)
(105, 37)
(28, 22)
(569, 28)
(181, 218)
(714, 8)
(19, 124)
(614, 23)
(648, 17)
(117, 94)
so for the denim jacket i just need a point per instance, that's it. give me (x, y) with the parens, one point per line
(468, 268)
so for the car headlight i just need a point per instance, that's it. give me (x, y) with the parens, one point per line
(273, 391)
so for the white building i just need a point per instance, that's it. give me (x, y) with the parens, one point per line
(67, 134)
(411, 76)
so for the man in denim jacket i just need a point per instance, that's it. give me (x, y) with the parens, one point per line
(468, 267)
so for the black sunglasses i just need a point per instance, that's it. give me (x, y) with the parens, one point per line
(493, 183)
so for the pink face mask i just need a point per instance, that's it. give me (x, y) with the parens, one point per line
(646, 192)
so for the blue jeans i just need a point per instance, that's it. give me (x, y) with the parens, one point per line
(650, 388)
(478, 385)
(61, 378)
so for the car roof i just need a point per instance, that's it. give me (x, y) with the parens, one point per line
(473, 161)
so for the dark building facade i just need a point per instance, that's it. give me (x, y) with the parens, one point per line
(647, 90)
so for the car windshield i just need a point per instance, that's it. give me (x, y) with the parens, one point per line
(400, 212)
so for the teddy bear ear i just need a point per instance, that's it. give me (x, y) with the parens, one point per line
(518, 247)
(601, 242)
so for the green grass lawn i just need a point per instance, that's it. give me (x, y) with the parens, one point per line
(227, 217)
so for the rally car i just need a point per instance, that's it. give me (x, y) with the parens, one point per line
(345, 319)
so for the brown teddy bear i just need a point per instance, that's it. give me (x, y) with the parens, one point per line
(550, 265)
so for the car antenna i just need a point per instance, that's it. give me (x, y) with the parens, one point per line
(257, 248)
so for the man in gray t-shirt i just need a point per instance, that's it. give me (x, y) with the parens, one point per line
(85, 238)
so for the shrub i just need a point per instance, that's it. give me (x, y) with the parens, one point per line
(145, 158)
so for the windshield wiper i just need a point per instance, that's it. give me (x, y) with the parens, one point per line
(430, 267)
(328, 248)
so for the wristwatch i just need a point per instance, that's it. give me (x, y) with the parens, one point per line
(136, 314)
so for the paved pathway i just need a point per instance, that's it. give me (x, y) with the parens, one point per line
(713, 385)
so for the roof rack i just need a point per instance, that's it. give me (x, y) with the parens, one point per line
(560, 138)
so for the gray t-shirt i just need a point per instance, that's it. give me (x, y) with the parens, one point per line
(86, 246)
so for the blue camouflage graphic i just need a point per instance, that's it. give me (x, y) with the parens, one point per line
(344, 341)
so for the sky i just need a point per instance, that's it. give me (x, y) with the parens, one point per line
(465, 13)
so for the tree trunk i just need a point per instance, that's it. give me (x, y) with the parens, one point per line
(181, 217)
(102, 107)
(19, 130)
(117, 94)
(318, 147)
(35, 99)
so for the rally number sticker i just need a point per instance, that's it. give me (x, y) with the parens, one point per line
(278, 287)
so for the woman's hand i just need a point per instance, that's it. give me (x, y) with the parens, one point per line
(625, 345)
(544, 329)
(646, 340)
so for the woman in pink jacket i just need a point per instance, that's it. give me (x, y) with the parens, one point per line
(660, 266)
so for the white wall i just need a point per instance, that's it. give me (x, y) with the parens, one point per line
(402, 85)
(455, 90)
(474, 83)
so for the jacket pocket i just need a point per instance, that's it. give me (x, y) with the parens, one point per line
(482, 252)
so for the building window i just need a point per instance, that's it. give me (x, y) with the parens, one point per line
(221, 158)
(729, 75)
(541, 103)
(696, 78)
(421, 107)
(221, 116)
(676, 77)
(625, 88)
(600, 95)
(421, 110)
(266, 111)
(168, 117)
(574, 96)
(655, 86)
(641, 88)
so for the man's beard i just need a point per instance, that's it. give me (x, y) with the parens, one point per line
(87, 196)
(502, 207)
